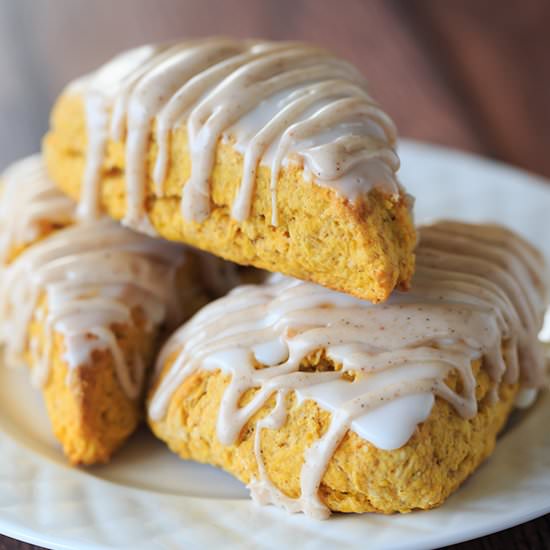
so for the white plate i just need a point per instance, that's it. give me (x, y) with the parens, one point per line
(147, 498)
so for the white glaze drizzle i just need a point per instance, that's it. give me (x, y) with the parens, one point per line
(93, 275)
(478, 292)
(279, 102)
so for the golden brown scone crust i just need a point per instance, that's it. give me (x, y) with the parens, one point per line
(442, 453)
(90, 413)
(364, 249)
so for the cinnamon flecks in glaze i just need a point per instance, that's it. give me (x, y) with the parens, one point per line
(478, 293)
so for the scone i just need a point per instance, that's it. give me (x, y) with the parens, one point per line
(322, 402)
(83, 304)
(270, 154)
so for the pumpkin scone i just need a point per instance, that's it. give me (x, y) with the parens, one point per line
(270, 154)
(322, 402)
(83, 305)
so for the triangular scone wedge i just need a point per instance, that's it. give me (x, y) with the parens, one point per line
(267, 154)
(322, 402)
(83, 304)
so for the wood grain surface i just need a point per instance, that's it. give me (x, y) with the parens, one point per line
(470, 74)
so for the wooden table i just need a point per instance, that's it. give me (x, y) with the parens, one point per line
(470, 74)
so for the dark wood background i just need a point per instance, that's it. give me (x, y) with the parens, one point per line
(470, 74)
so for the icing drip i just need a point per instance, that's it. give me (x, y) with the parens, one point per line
(92, 275)
(25, 209)
(279, 102)
(477, 294)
